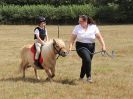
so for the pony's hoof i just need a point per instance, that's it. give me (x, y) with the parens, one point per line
(53, 76)
(38, 78)
(23, 77)
(49, 79)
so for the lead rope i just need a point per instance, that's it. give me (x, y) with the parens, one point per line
(103, 53)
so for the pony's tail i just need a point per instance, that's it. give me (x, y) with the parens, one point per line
(20, 67)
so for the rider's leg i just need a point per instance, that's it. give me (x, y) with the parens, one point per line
(38, 46)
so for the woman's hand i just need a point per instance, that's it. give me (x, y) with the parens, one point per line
(103, 48)
(73, 37)
(101, 40)
(70, 47)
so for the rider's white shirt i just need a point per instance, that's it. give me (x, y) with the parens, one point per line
(87, 36)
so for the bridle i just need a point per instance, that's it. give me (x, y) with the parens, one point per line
(57, 51)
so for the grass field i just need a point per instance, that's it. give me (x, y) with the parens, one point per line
(113, 78)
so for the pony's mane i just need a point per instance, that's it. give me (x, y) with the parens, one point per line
(49, 42)
(58, 41)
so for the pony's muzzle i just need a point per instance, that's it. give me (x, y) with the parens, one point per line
(63, 54)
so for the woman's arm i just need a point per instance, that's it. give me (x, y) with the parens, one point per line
(101, 40)
(72, 39)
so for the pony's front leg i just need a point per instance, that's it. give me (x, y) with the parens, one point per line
(37, 77)
(53, 72)
(49, 74)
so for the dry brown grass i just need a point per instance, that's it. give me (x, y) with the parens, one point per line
(113, 78)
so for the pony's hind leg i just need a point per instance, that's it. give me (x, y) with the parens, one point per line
(37, 77)
(24, 66)
(24, 72)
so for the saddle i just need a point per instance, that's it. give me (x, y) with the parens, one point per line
(33, 50)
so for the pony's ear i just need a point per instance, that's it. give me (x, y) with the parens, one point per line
(54, 41)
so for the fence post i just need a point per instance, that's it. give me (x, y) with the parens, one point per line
(58, 31)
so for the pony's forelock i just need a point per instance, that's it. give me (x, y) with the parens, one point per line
(60, 42)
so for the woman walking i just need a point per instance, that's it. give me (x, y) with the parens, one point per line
(84, 34)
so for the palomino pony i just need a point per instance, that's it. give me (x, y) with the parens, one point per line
(49, 53)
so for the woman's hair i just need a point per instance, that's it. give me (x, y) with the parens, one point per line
(88, 19)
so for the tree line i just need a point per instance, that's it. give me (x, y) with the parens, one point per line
(65, 11)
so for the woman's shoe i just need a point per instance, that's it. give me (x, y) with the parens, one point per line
(89, 79)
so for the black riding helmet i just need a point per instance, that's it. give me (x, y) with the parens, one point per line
(40, 19)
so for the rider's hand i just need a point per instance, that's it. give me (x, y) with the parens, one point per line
(69, 51)
(43, 43)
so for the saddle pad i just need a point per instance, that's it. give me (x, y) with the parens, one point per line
(33, 50)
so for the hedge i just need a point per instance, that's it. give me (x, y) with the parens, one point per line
(50, 2)
(14, 14)
(108, 14)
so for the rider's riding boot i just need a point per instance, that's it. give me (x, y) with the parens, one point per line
(36, 63)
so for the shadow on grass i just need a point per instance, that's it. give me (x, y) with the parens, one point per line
(33, 80)
(66, 81)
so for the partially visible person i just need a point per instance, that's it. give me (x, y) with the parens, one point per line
(84, 34)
